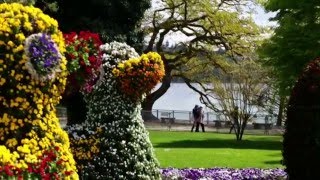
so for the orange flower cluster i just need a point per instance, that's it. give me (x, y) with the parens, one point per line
(139, 75)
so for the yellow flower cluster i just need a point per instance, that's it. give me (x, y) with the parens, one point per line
(6, 157)
(139, 75)
(28, 123)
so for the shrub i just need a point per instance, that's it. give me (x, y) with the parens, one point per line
(301, 144)
(32, 77)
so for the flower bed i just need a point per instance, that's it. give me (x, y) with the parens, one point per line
(222, 174)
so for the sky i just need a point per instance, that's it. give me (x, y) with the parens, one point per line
(262, 18)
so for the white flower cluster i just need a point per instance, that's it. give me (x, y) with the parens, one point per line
(127, 150)
(116, 52)
(76, 131)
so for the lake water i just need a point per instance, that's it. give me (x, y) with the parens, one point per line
(181, 99)
(178, 97)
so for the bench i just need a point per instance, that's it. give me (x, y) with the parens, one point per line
(262, 125)
(166, 119)
(265, 126)
(218, 123)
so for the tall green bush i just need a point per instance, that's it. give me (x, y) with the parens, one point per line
(301, 144)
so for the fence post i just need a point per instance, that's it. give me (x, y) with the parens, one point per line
(157, 114)
(173, 114)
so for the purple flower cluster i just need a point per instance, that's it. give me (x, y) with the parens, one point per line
(43, 53)
(223, 174)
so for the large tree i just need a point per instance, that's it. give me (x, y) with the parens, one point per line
(113, 19)
(203, 27)
(295, 40)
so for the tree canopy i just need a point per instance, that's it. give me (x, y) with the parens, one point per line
(295, 40)
(112, 19)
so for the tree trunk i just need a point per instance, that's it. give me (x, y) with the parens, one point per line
(237, 129)
(243, 127)
(281, 109)
(151, 98)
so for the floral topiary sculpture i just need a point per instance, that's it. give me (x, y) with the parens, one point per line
(301, 142)
(84, 62)
(113, 142)
(32, 78)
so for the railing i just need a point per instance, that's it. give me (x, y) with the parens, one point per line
(184, 116)
(179, 116)
(209, 117)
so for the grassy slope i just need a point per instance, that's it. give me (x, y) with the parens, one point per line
(196, 150)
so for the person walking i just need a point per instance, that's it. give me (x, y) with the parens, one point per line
(200, 119)
(195, 116)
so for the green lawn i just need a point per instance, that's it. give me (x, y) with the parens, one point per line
(196, 150)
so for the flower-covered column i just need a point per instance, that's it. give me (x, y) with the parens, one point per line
(32, 77)
(125, 151)
(84, 59)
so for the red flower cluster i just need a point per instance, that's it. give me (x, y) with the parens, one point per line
(84, 60)
(10, 171)
(47, 168)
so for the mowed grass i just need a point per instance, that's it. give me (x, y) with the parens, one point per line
(206, 150)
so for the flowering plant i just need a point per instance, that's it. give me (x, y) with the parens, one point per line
(139, 75)
(43, 56)
(84, 59)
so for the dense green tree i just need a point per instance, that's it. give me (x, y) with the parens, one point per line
(201, 29)
(113, 19)
(295, 40)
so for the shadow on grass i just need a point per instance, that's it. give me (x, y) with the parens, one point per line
(272, 162)
(222, 143)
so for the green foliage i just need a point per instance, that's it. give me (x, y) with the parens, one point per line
(294, 42)
(46, 5)
(207, 150)
(301, 147)
(24, 2)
